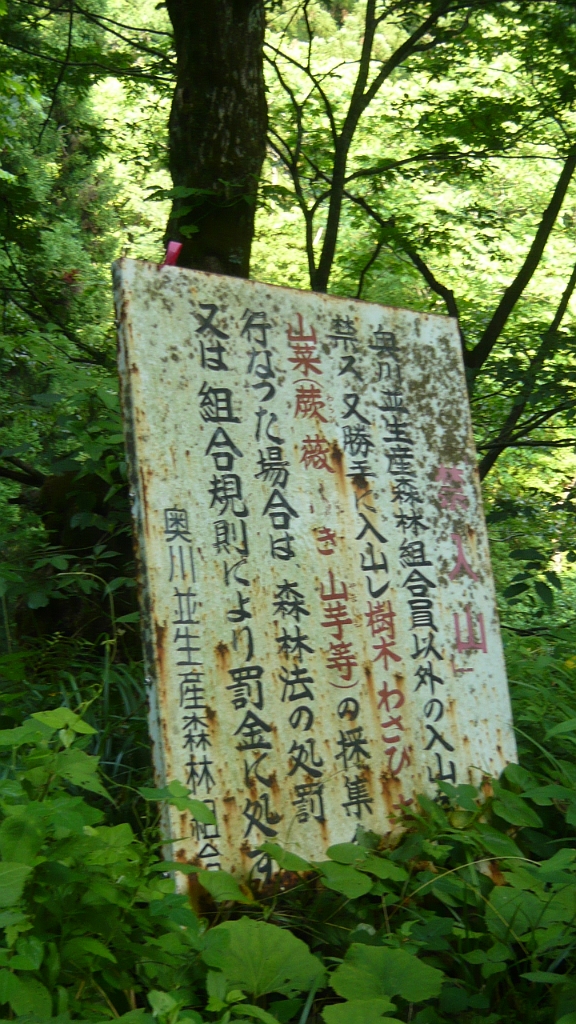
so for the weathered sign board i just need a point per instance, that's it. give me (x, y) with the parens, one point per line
(321, 630)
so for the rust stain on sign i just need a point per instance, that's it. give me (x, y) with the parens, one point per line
(320, 624)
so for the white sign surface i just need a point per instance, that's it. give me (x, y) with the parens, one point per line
(321, 631)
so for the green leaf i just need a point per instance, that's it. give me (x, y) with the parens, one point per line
(201, 812)
(284, 1010)
(80, 769)
(84, 947)
(544, 593)
(29, 996)
(64, 718)
(8, 984)
(161, 1002)
(514, 809)
(561, 860)
(284, 859)
(545, 978)
(28, 732)
(12, 879)
(131, 617)
(344, 878)
(359, 1011)
(258, 958)
(248, 1010)
(346, 853)
(515, 588)
(223, 886)
(567, 1018)
(20, 839)
(178, 796)
(563, 727)
(377, 971)
(518, 776)
(497, 843)
(545, 796)
(29, 954)
(553, 579)
(384, 868)
(513, 912)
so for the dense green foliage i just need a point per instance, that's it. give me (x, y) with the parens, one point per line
(468, 910)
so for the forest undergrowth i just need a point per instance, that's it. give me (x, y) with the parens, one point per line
(466, 911)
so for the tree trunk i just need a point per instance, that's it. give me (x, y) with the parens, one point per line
(217, 130)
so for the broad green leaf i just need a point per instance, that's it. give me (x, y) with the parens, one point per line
(561, 860)
(545, 978)
(544, 796)
(518, 776)
(29, 954)
(20, 839)
(377, 971)
(223, 886)
(216, 987)
(29, 732)
(567, 1018)
(528, 555)
(80, 769)
(161, 1002)
(64, 718)
(178, 796)
(359, 1011)
(85, 947)
(544, 593)
(346, 853)
(258, 958)
(514, 809)
(513, 912)
(29, 996)
(8, 984)
(344, 878)
(383, 867)
(514, 589)
(495, 954)
(497, 843)
(12, 879)
(201, 812)
(254, 1012)
(284, 859)
(11, 917)
(285, 1010)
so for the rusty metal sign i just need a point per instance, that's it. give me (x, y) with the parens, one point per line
(321, 631)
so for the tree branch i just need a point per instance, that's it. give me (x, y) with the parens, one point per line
(61, 73)
(444, 292)
(32, 473)
(367, 266)
(16, 477)
(500, 442)
(362, 96)
(481, 351)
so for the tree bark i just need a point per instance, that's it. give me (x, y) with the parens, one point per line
(218, 128)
